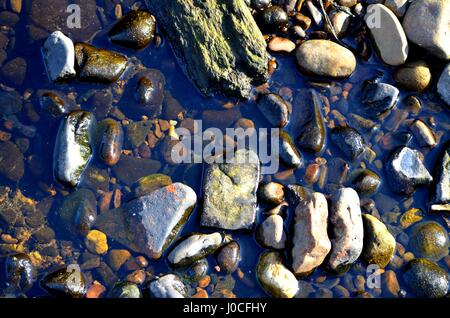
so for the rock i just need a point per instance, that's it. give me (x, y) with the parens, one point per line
(194, 248)
(274, 277)
(73, 147)
(282, 45)
(150, 92)
(272, 19)
(116, 258)
(136, 133)
(260, 4)
(271, 234)
(111, 142)
(10, 102)
(388, 35)
(130, 169)
(391, 287)
(59, 57)
(444, 84)
(98, 65)
(125, 290)
(348, 140)
(134, 31)
(441, 193)
(340, 21)
(228, 257)
(44, 235)
(296, 194)
(15, 71)
(151, 183)
(410, 217)
(366, 182)
(55, 103)
(168, 286)
(66, 282)
(348, 231)
(11, 161)
(150, 223)
(426, 24)
(313, 132)
(379, 244)
(230, 192)
(397, 6)
(406, 171)
(20, 273)
(271, 193)
(311, 242)
(288, 154)
(429, 240)
(415, 76)
(423, 134)
(274, 109)
(96, 242)
(325, 58)
(214, 63)
(425, 278)
(379, 98)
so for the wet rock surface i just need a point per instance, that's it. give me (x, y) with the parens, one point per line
(65, 282)
(228, 257)
(274, 109)
(441, 193)
(429, 240)
(348, 140)
(168, 286)
(59, 57)
(20, 273)
(443, 84)
(425, 278)
(379, 98)
(271, 234)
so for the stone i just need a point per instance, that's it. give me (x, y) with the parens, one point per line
(226, 28)
(135, 30)
(388, 35)
(271, 193)
(429, 240)
(149, 92)
(274, 109)
(347, 229)
(441, 190)
(289, 156)
(73, 147)
(20, 273)
(130, 169)
(272, 19)
(150, 223)
(96, 242)
(10, 102)
(406, 171)
(410, 217)
(423, 133)
(425, 278)
(275, 278)
(194, 248)
(228, 257)
(391, 287)
(116, 258)
(15, 71)
(415, 76)
(167, 286)
(313, 132)
(399, 7)
(11, 161)
(340, 21)
(136, 133)
(98, 65)
(325, 58)
(111, 142)
(59, 57)
(379, 244)
(230, 192)
(379, 98)
(281, 45)
(65, 282)
(348, 140)
(271, 234)
(150, 183)
(426, 24)
(55, 103)
(444, 84)
(125, 290)
(366, 182)
(311, 242)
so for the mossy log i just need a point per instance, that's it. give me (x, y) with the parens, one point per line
(217, 42)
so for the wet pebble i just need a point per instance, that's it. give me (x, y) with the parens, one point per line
(111, 142)
(150, 92)
(274, 109)
(444, 84)
(125, 290)
(288, 153)
(66, 282)
(366, 182)
(20, 272)
(429, 240)
(271, 193)
(313, 132)
(168, 286)
(348, 140)
(272, 19)
(379, 98)
(415, 76)
(59, 57)
(228, 257)
(116, 258)
(11, 161)
(271, 234)
(425, 278)
(96, 242)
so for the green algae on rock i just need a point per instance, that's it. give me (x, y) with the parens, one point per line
(151, 183)
(429, 240)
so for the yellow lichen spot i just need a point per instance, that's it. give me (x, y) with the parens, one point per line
(410, 217)
(96, 242)
(36, 258)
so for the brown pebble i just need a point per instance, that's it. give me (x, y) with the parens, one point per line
(204, 282)
(137, 277)
(279, 44)
(105, 201)
(312, 173)
(201, 293)
(116, 258)
(390, 282)
(141, 261)
(96, 290)
(117, 200)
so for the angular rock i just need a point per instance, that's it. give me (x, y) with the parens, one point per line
(73, 147)
(215, 64)
(348, 140)
(11, 161)
(426, 24)
(230, 192)
(150, 223)
(348, 230)
(379, 98)
(271, 234)
(325, 58)
(194, 248)
(406, 171)
(66, 282)
(444, 84)
(426, 279)
(311, 242)
(59, 57)
(429, 240)
(388, 34)
(274, 109)
(313, 132)
(168, 286)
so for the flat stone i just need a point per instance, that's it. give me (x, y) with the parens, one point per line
(444, 84)
(311, 242)
(167, 286)
(426, 23)
(150, 223)
(59, 57)
(388, 34)
(230, 193)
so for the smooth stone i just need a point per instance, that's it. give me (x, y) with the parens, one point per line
(340, 21)
(125, 290)
(271, 193)
(150, 223)
(275, 278)
(399, 7)
(387, 32)
(289, 156)
(59, 57)
(168, 286)
(228, 257)
(130, 169)
(194, 248)
(98, 65)
(150, 92)
(347, 229)
(274, 109)
(425, 278)
(426, 23)
(96, 242)
(429, 240)
(151, 183)
(348, 140)
(415, 76)
(55, 103)
(282, 45)
(20, 273)
(136, 133)
(366, 182)
(272, 19)
(116, 258)
(406, 171)
(444, 84)
(379, 244)
(134, 31)
(313, 132)
(111, 142)
(271, 234)
(11, 161)
(259, 4)
(311, 241)
(73, 147)
(230, 193)
(390, 284)
(441, 193)
(65, 282)
(379, 98)
(423, 133)
(325, 58)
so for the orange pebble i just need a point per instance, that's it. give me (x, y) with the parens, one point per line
(204, 282)
(201, 293)
(96, 290)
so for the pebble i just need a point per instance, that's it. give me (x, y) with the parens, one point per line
(272, 19)
(11, 161)
(228, 257)
(96, 242)
(111, 143)
(410, 217)
(444, 84)
(275, 109)
(279, 44)
(313, 133)
(271, 234)
(271, 193)
(289, 156)
(399, 7)
(20, 272)
(366, 182)
(168, 286)
(66, 282)
(441, 191)
(379, 98)
(415, 76)
(125, 290)
(426, 279)
(59, 57)
(423, 134)
(429, 240)
(348, 140)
